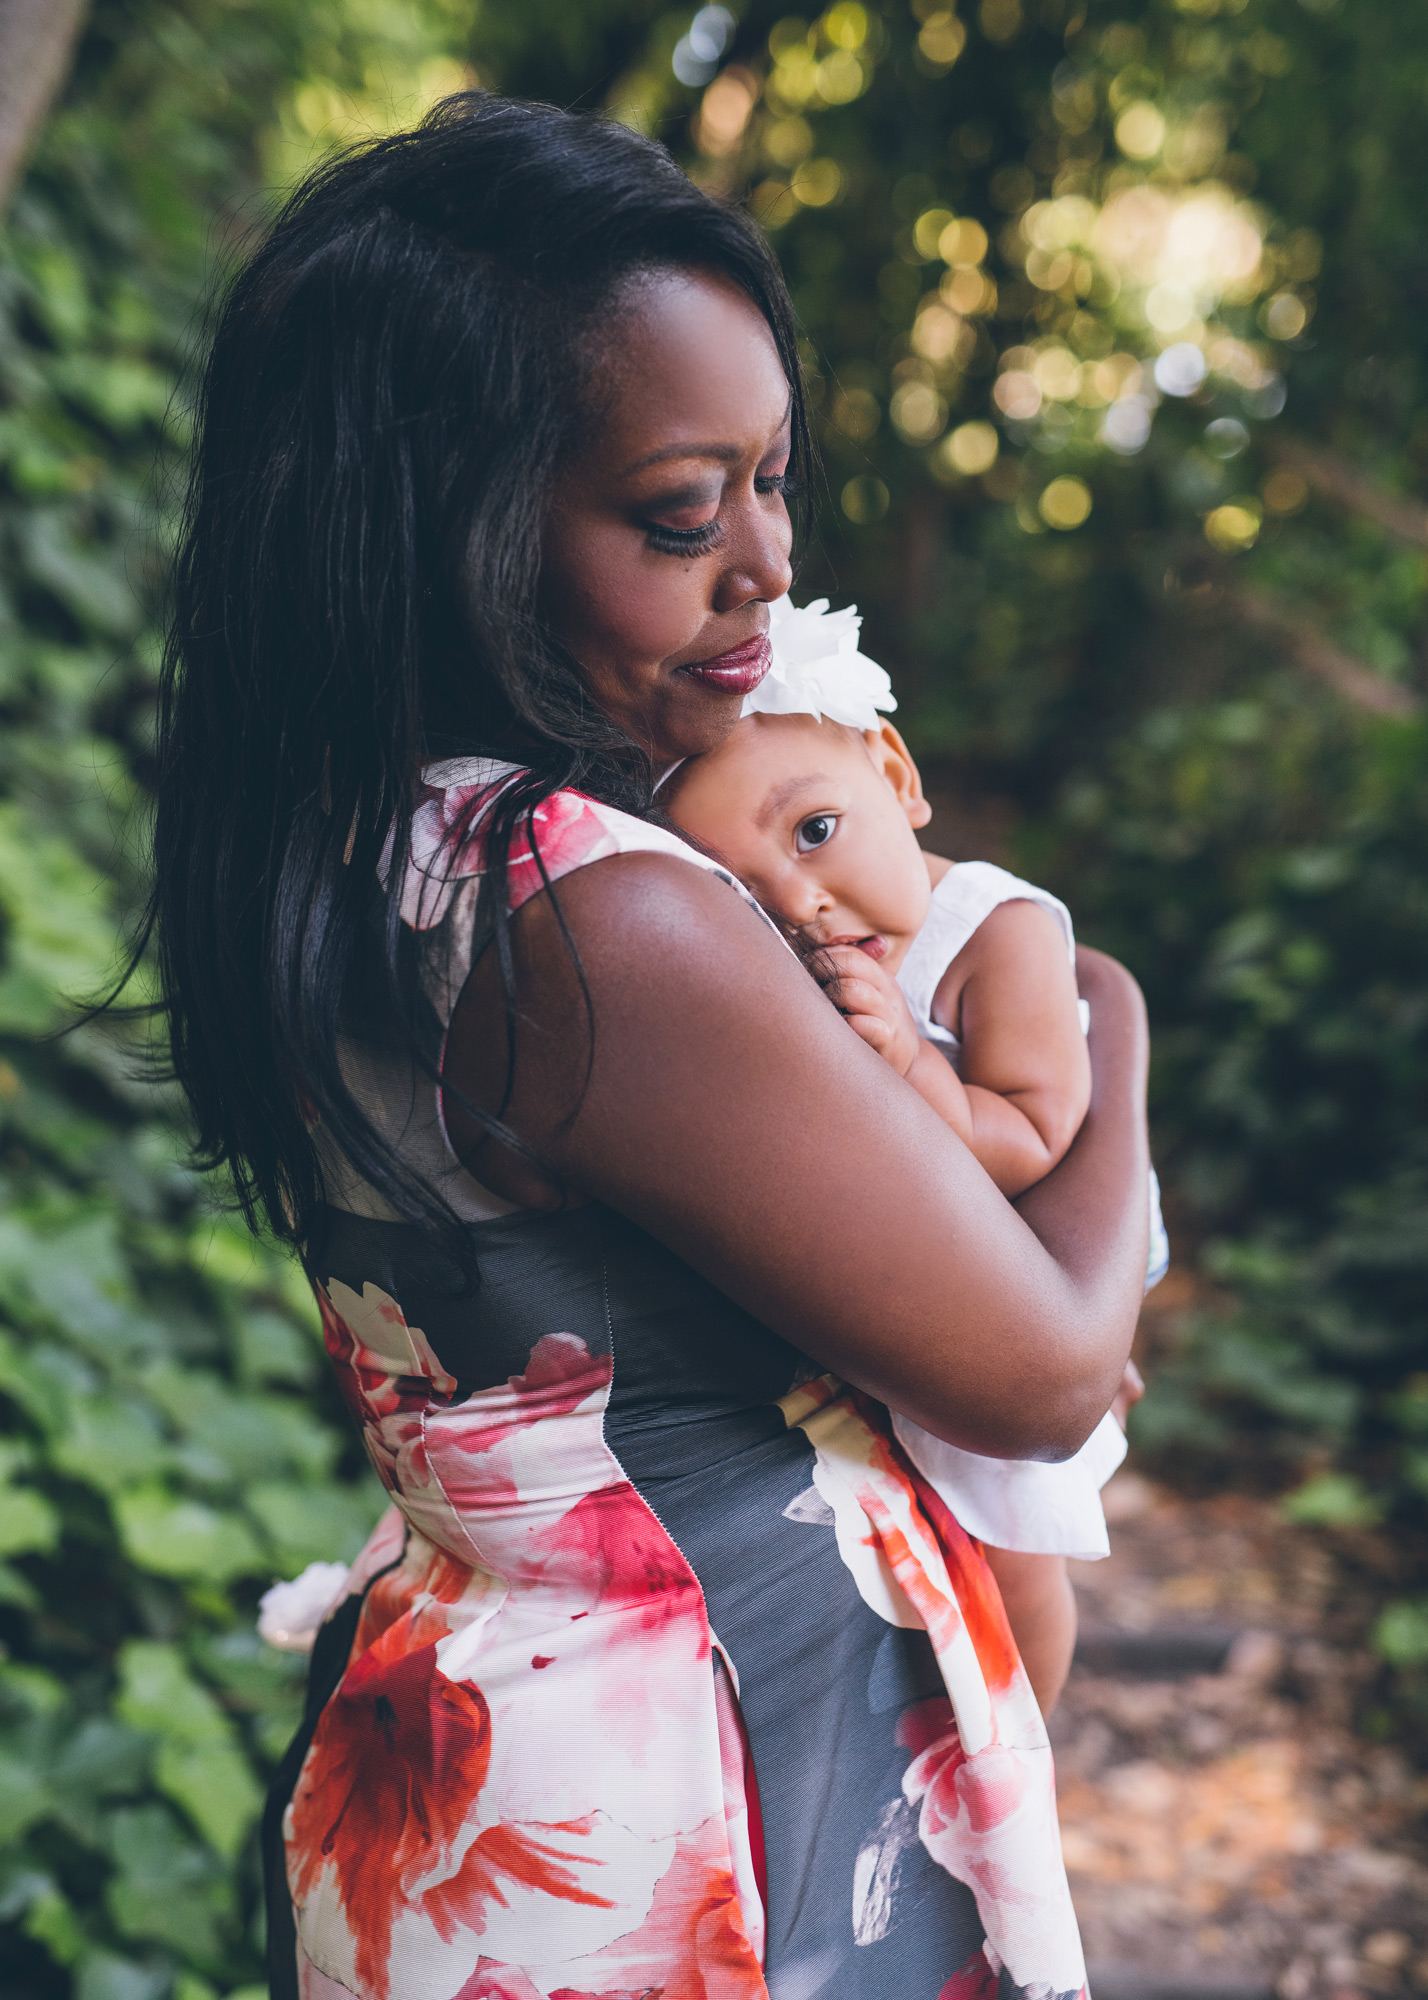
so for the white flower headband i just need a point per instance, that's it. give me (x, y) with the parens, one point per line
(817, 669)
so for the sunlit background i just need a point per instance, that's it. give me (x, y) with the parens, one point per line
(1113, 320)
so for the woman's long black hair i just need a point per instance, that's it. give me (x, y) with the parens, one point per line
(393, 385)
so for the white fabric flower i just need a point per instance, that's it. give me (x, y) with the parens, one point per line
(817, 669)
(290, 1613)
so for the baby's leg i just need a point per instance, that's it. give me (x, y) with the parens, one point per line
(1041, 1610)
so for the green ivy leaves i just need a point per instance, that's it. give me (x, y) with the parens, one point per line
(200, 1762)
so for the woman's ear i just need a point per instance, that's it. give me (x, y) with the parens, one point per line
(894, 760)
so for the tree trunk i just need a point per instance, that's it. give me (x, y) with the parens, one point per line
(37, 39)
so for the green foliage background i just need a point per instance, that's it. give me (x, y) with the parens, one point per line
(1146, 709)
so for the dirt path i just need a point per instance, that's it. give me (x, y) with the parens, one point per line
(1225, 1831)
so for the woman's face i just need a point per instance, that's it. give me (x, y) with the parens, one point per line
(668, 533)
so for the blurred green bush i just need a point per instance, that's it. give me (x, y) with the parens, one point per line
(1167, 648)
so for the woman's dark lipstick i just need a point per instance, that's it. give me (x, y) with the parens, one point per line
(738, 671)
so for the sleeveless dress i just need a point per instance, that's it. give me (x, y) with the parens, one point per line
(665, 1677)
(1010, 1503)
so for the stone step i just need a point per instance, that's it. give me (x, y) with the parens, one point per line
(1135, 1982)
(1161, 1652)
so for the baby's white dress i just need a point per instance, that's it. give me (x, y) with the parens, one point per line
(1009, 1503)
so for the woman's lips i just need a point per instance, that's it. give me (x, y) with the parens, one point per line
(738, 671)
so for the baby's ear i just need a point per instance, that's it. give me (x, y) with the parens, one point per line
(894, 760)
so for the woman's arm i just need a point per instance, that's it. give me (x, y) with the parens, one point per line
(729, 1111)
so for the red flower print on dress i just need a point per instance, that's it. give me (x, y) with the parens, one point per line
(982, 1773)
(454, 1791)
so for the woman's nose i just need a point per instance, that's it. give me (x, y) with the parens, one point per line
(757, 567)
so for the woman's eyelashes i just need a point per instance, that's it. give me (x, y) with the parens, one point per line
(700, 541)
(704, 539)
(779, 482)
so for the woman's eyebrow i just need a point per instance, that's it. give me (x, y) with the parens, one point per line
(724, 453)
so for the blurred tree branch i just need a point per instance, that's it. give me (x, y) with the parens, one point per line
(1316, 655)
(37, 39)
(1338, 480)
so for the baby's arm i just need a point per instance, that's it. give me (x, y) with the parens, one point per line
(1010, 996)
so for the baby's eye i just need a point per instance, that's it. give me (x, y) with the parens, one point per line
(815, 832)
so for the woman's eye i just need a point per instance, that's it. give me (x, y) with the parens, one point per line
(815, 832)
(685, 541)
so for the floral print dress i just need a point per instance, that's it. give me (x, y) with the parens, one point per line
(665, 1677)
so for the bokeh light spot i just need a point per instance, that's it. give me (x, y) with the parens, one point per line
(1017, 395)
(840, 77)
(1285, 316)
(856, 413)
(967, 290)
(1180, 369)
(787, 140)
(918, 412)
(1065, 503)
(817, 182)
(1000, 20)
(1057, 373)
(941, 39)
(846, 25)
(939, 334)
(1226, 437)
(865, 500)
(1169, 307)
(971, 448)
(1233, 526)
(1126, 425)
(790, 33)
(929, 229)
(724, 113)
(1140, 131)
(1284, 490)
(771, 204)
(963, 242)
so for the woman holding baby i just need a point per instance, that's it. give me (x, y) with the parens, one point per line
(655, 1286)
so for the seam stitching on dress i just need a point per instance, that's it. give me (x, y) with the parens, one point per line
(716, 1647)
(452, 1508)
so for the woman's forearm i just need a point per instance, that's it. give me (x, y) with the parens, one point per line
(1091, 1212)
(737, 1120)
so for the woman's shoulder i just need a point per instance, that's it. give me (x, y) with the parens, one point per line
(565, 831)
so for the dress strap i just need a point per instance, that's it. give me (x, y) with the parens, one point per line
(961, 903)
(446, 910)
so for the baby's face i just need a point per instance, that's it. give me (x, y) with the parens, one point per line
(818, 820)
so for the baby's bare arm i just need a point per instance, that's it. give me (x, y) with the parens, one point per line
(1010, 998)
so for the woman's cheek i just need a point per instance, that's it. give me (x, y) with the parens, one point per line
(647, 606)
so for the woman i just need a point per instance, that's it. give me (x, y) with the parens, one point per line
(665, 1675)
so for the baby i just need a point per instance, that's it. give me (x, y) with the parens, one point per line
(960, 976)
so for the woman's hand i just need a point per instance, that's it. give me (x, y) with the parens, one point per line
(723, 1106)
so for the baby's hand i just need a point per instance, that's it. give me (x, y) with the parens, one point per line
(1129, 1394)
(872, 1002)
